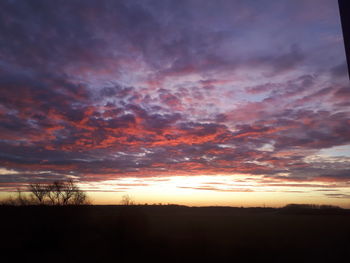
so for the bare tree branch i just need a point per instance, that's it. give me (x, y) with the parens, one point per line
(39, 191)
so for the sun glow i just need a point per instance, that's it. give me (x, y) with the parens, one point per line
(227, 190)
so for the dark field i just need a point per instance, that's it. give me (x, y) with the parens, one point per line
(173, 234)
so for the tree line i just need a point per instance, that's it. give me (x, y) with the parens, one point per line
(58, 193)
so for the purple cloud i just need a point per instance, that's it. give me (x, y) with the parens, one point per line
(103, 89)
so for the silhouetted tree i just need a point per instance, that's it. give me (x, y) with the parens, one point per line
(55, 192)
(127, 200)
(79, 198)
(39, 191)
(69, 191)
(19, 199)
(58, 193)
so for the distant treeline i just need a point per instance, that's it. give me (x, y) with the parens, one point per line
(312, 209)
(310, 206)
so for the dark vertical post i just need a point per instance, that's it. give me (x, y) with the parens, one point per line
(345, 21)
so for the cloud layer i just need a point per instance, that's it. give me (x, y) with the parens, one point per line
(107, 89)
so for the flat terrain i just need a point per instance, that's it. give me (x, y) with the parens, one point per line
(173, 234)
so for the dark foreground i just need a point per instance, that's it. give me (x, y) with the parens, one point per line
(173, 234)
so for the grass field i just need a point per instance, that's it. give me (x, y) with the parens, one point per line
(173, 234)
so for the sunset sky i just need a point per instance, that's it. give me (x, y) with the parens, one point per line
(229, 102)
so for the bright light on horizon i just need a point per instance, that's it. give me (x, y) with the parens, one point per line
(210, 190)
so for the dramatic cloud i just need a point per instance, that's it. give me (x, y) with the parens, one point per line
(101, 90)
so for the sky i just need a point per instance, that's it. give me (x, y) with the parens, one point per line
(228, 102)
